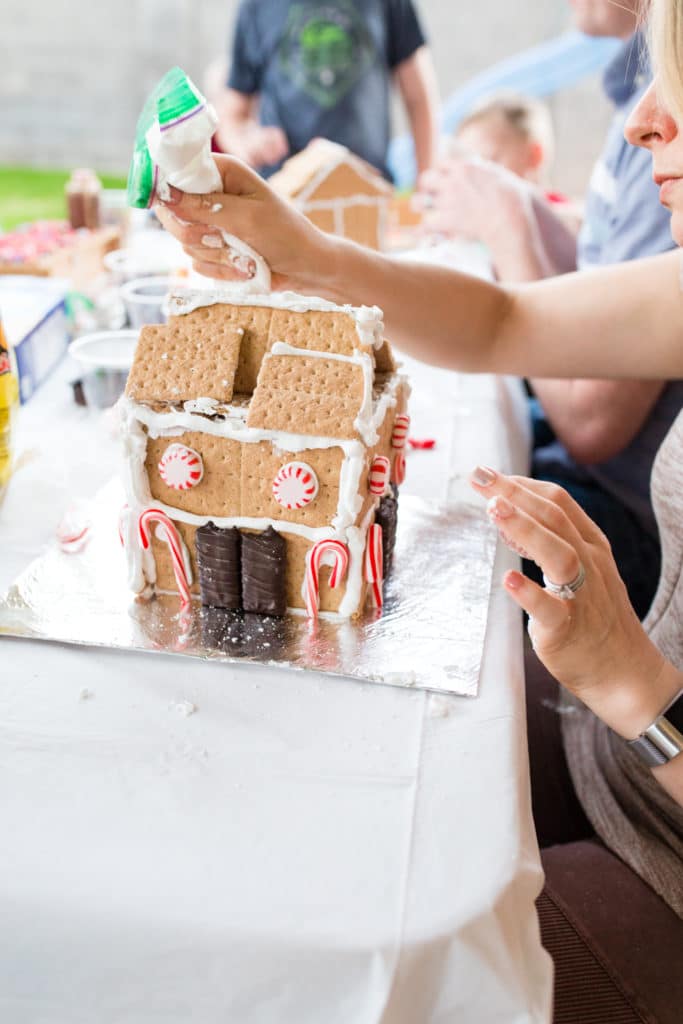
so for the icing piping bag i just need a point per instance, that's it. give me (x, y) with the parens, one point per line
(173, 147)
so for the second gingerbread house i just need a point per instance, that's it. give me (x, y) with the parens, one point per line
(338, 192)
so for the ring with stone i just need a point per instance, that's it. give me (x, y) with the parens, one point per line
(566, 591)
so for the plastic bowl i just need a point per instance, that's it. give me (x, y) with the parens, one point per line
(144, 300)
(105, 358)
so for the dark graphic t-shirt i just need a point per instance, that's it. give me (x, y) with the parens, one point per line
(324, 69)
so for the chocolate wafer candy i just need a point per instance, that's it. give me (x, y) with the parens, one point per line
(387, 517)
(264, 561)
(219, 565)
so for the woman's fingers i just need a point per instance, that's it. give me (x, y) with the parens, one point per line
(239, 183)
(547, 502)
(548, 614)
(556, 556)
(222, 271)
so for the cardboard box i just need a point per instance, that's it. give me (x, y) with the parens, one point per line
(34, 317)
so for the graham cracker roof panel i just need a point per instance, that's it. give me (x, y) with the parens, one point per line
(316, 397)
(317, 331)
(307, 174)
(198, 354)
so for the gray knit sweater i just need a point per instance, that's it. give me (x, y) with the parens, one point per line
(629, 810)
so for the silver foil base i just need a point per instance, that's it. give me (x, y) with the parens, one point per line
(429, 635)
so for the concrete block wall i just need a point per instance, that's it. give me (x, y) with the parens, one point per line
(75, 72)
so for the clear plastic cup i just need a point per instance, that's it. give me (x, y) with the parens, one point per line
(105, 358)
(144, 300)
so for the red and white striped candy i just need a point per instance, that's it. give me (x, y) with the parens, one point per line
(379, 474)
(400, 431)
(295, 485)
(374, 564)
(167, 532)
(328, 550)
(181, 467)
(398, 474)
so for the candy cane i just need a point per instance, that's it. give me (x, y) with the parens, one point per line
(374, 564)
(400, 431)
(340, 563)
(172, 538)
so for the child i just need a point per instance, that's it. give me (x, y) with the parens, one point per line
(511, 130)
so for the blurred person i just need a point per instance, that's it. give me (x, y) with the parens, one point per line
(325, 69)
(595, 438)
(512, 130)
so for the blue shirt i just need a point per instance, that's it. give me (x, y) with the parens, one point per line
(323, 69)
(624, 220)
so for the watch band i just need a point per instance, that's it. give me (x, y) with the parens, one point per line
(663, 740)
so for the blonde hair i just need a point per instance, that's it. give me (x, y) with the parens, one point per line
(526, 116)
(666, 49)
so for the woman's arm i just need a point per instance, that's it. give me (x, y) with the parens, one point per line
(624, 321)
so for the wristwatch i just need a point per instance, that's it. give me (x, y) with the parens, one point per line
(663, 740)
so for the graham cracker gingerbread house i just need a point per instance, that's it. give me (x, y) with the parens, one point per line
(338, 192)
(264, 443)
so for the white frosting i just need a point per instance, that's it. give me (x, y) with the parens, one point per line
(212, 241)
(260, 282)
(204, 406)
(182, 153)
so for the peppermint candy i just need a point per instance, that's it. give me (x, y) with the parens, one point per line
(379, 474)
(399, 472)
(295, 485)
(180, 467)
(400, 431)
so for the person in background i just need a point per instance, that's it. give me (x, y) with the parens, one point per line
(511, 130)
(596, 438)
(325, 69)
(612, 909)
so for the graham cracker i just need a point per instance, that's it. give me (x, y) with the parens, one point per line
(255, 321)
(344, 181)
(384, 359)
(192, 356)
(165, 575)
(322, 218)
(260, 465)
(317, 331)
(308, 395)
(362, 224)
(219, 491)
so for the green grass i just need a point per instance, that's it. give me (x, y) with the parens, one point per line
(29, 194)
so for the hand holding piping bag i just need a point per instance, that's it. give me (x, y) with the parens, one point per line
(173, 157)
(246, 209)
(582, 625)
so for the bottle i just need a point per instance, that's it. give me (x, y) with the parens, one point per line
(9, 400)
(83, 191)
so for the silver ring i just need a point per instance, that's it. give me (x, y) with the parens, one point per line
(566, 591)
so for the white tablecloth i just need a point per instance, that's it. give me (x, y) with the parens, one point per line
(299, 850)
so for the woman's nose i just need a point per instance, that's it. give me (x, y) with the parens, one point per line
(650, 121)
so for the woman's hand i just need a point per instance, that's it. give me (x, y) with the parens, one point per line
(594, 644)
(299, 255)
